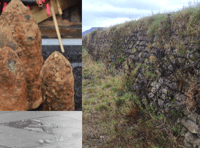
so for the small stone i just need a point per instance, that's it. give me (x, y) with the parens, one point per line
(56, 55)
(196, 143)
(137, 43)
(178, 104)
(193, 117)
(171, 68)
(189, 137)
(179, 97)
(154, 44)
(186, 144)
(161, 81)
(47, 141)
(153, 83)
(58, 79)
(153, 90)
(41, 141)
(157, 86)
(151, 95)
(160, 102)
(183, 131)
(191, 126)
(11, 65)
(163, 96)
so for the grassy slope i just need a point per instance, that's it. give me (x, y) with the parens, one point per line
(110, 118)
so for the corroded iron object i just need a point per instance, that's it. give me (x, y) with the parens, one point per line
(20, 31)
(13, 84)
(57, 83)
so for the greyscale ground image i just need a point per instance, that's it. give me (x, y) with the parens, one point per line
(36, 129)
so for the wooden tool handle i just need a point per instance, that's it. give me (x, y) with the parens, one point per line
(59, 8)
(56, 25)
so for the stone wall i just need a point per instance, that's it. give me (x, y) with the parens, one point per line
(161, 67)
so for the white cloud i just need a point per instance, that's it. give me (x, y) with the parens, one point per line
(105, 13)
(109, 22)
(106, 9)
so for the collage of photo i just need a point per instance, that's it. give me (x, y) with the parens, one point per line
(99, 74)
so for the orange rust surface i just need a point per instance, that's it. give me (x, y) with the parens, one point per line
(13, 84)
(22, 34)
(57, 84)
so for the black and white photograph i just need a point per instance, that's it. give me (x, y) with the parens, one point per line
(40, 129)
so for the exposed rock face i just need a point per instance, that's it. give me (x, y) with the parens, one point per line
(13, 84)
(19, 31)
(57, 83)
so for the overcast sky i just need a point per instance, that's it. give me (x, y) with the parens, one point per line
(104, 13)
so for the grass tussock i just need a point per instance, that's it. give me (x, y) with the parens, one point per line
(113, 116)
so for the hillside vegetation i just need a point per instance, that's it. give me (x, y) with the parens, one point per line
(110, 118)
(141, 83)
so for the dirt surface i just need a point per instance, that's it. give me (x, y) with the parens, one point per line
(41, 129)
(57, 83)
(20, 31)
(13, 84)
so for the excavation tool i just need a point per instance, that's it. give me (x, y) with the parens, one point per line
(56, 25)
